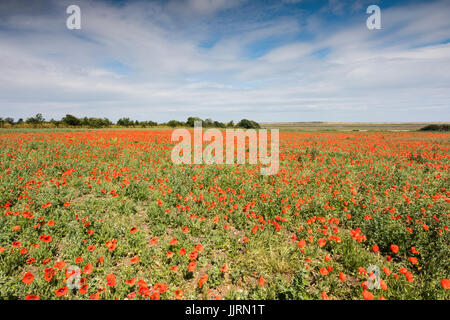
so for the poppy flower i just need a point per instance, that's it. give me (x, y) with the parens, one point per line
(31, 260)
(155, 296)
(323, 271)
(367, 295)
(191, 266)
(413, 260)
(173, 242)
(324, 295)
(88, 268)
(202, 280)
(130, 282)
(445, 283)
(60, 265)
(135, 259)
(301, 243)
(261, 281)
(45, 238)
(133, 230)
(375, 248)
(179, 294)
(31, 297)
(342, 277)
(111, 280)
(322, 242)
(61, 291)
(153, 241)
(394, 248)
(28, 278)
(83, 289)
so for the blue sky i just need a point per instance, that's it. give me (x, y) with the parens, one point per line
(291, 60)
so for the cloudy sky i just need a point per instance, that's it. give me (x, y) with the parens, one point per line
(291, 60)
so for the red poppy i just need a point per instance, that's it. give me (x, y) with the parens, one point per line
(88, 268)
(445, 283)
(394, 248)
(202, 280)
(31, 297)
(322, 242)
(191, 266)
(179, 294)
(111, 280)
(367, 295)
(28, 278)
(45, 238)
(61, 291)
(261, 281)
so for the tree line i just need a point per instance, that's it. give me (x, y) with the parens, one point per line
(71, 121)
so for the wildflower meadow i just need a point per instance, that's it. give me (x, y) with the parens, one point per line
(106, 214)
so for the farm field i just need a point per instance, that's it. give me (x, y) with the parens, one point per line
(111, 204)
(345, 126)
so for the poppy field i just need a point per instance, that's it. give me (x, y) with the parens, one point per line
(105, 214)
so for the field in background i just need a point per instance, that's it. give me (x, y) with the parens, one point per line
(345, 126)
(112, 203)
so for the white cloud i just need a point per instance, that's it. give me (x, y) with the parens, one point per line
(343, 72)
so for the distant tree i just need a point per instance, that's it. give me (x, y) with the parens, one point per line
(20, 121)
(208, 123)
(191, 120)
(218, 124)
(434, 127)
(56, 123)
(106, 122)
(9, 120)
(71, 120)
(230, 124)
(126, 122)
(175, 123)
(38, 119)
(248, 124)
